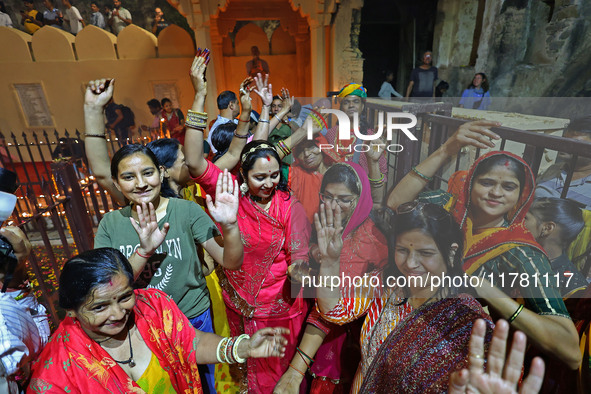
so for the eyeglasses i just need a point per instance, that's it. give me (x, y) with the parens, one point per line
(432, 211)
(342, 201)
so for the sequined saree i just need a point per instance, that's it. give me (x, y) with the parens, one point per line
(425, 348)
(258, 294)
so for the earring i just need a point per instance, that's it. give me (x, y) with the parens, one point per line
(243, 188)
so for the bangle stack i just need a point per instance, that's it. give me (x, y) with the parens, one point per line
(377, 182)
(307, 359)
(227, 350)
(282, 146)
(196, 120)
(420, 174)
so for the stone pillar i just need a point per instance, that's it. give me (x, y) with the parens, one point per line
(318, 59)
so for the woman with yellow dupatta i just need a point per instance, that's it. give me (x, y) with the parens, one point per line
(490, 208)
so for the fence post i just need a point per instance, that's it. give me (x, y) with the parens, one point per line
(78, 217)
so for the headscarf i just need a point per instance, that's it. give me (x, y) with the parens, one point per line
(493, 242)
(353, 89)
(365, 202)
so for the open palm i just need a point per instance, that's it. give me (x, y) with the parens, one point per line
(151, 236)
(225, 207)
(329, 230)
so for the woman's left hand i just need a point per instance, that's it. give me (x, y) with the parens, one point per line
(225, 209)
(268, 342)
(330, 231)
(198, 72)
(264, 89)
(502, 375)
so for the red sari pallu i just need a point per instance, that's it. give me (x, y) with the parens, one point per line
(73, 363)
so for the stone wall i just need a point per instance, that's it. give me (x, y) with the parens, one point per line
(529, 48)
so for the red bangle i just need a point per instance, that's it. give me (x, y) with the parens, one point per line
(321, 118)
(245, 121)
(141, 255)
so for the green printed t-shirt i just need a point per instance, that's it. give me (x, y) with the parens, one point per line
(175, 268)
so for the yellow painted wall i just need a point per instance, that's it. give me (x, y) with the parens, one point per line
(63, 79)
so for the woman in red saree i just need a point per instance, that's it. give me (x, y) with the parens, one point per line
(119, 340)
(490, 208)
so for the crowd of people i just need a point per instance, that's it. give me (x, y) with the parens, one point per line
(218, 272)
(108, 15)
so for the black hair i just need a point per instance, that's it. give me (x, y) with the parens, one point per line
(164, 101)
(222, 137)
(225, 98)
(501, 160)
(276, 97)
(484, 85)
(434, 221)
(128, 150)
(341, 173)
(580, 125)
(564, 212)
(250, 158)
(3, 7)
(166, 151)
(296, 108)
(88, 270)
(154, 103)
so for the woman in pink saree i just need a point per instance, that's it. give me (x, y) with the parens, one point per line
(275, 234)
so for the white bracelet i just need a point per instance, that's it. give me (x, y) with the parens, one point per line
(217, 352)
(235, 349)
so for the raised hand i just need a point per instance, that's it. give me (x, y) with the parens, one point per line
(502, 377)
(225, 209)
(98, 93)
(198, 71)
(264, 88)
(151, 236)
(245, 89)
(475, 133)
(330, 231)
(286, 99)
(268, 342)
(377, 148)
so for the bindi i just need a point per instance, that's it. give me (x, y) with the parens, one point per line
(268, 158)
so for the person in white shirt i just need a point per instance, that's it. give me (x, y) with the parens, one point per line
(386, 91)
(4, 17)
(229, 110)
(73, 17)
(120, 17)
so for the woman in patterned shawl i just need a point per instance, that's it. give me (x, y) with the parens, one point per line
(119, 340)
(490, 208)
(414, 335)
